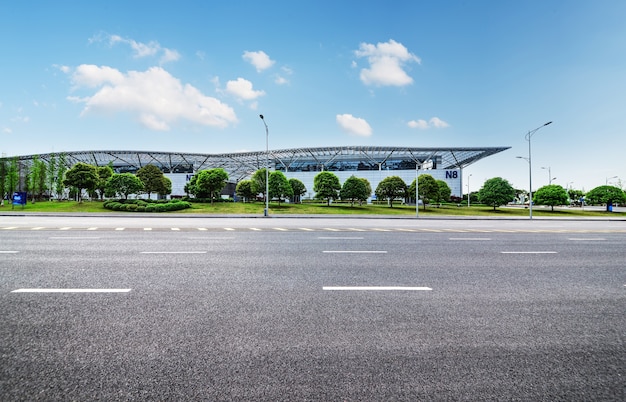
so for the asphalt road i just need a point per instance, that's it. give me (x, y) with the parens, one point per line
(95, 308)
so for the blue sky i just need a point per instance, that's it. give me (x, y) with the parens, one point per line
(193, 76)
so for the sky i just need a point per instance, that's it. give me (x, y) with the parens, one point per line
(194, 76)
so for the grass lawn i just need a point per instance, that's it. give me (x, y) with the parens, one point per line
(256, 208)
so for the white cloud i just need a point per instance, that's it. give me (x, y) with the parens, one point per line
(242, 89)
(387, 62)
(140, 49)
(438, 123)
(434, 122)
(420, 124)
(7, 130)
(354, 125)
(154, 97)
(260, 60)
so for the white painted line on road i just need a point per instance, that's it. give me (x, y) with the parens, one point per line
(71, 291)
(229, 229)
(175, 229)
(147, 229)
(331, 229)
(340, 238)
(9, 228)
(356, 230)
(65, 228)
(92, 228)
(173, 252)
(354, 252)
(202, 229)
(588, 239)
(256, 229)
(528, 252)
(471, 238)
(306, 229)
(120, 228)
(73, 238)
(211, 238)
(38, 228)
(8, 252)
(281, 229)
(381, 230)
(375, 288)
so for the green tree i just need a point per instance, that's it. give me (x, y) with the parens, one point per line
(444, 191)
(608, 195)
(4, 170)
(82, 176)
(60, 176)
(368, 190)
(298, 189)
(124, 184)
(575, 195)
(104, 173)
(391, 188)
(258, 182)
(152, 178)
(211, 182)
(279, 186)
(550, 195)
(244, 190)
(428, 189)
(37, 178)
(326, 186)
(495, 192)
(50, 175)
(354, 189)
(166, 187)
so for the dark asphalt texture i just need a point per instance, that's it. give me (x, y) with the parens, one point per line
(249, 319)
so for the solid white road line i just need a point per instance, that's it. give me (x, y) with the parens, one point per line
(73, 238)
(173, 252)
(71, 291)
(341, 238)
(8, 252)
(355, 251)
(471, 238)
(528, 252)
(376, 288)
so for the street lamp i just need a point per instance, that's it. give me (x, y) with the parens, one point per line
(550, 178)
(417, 196)
(606, 182)
(530, 169)
(468, 190)
(267, 168)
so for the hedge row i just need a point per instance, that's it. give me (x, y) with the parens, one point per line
(146, 205)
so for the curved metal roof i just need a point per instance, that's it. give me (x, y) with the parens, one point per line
(241, 164)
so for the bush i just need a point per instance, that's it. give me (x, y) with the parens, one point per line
(146, 205)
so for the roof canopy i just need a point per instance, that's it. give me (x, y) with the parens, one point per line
(242, 164)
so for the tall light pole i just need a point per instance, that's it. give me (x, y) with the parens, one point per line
(528, 136)
(550, 178)
(417, 192)
(606, 182)
(267, 168)
(468, 190)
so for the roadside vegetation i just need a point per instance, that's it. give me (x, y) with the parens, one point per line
(317, 208)
(50, 186)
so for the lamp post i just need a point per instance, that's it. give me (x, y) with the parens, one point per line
(606, 182)
(550, 178)
(417, 192)
(267, 168)
(530, 169)
(468, 191)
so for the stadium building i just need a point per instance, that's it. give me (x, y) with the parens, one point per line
(373, 163)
